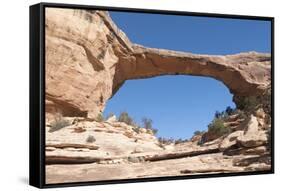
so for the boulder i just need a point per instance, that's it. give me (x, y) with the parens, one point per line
(196, 138)
(230, 140)
(253, 140)
(111, 119)
(260, 113)
(149, 131)
(142, 130)
(252, 136)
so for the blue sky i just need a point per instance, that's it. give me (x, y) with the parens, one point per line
(180, 105)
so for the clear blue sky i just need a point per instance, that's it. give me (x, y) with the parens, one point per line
(180, 105)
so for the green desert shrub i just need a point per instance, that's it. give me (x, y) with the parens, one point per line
(125, 118)
(178, 141)
(226, 113)
(229, 110)
(147, 124)
(165, 141)
(218, 114)
(58, 123)
(100, 118)
(218, 128)
(198, 132)
(248, 103)
(90, 139)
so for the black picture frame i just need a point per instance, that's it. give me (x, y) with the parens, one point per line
(37, 94)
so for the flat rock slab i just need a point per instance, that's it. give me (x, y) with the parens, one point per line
(72, 145)
(173, 167)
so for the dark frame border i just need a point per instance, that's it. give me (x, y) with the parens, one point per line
(37, 172)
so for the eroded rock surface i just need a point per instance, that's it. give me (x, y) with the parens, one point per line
(88, 59)
(119, 151)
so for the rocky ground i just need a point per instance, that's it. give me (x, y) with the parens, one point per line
(87, 150)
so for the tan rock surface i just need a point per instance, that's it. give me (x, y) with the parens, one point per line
(252, 136)
(211, 163)
(88, 58)
(114, 155)
(230, 140)
(68, 143)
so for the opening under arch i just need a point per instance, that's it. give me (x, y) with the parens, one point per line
(178, 105)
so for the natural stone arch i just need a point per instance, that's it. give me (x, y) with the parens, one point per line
(88, 58)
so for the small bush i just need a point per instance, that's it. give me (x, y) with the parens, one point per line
(229, 110)
(100, 118)
(247, 103)
(165, 141)
(224, 114)
(218, 128)
(178, 141)
(147, 124)
(198, 132)
(218, 114)
(58, 123)
(90, 139)
(124, 117)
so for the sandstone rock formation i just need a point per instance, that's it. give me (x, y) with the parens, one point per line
(88, 58)
(118, 152)
(111, 140)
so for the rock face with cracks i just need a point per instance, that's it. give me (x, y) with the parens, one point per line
(88, 58)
